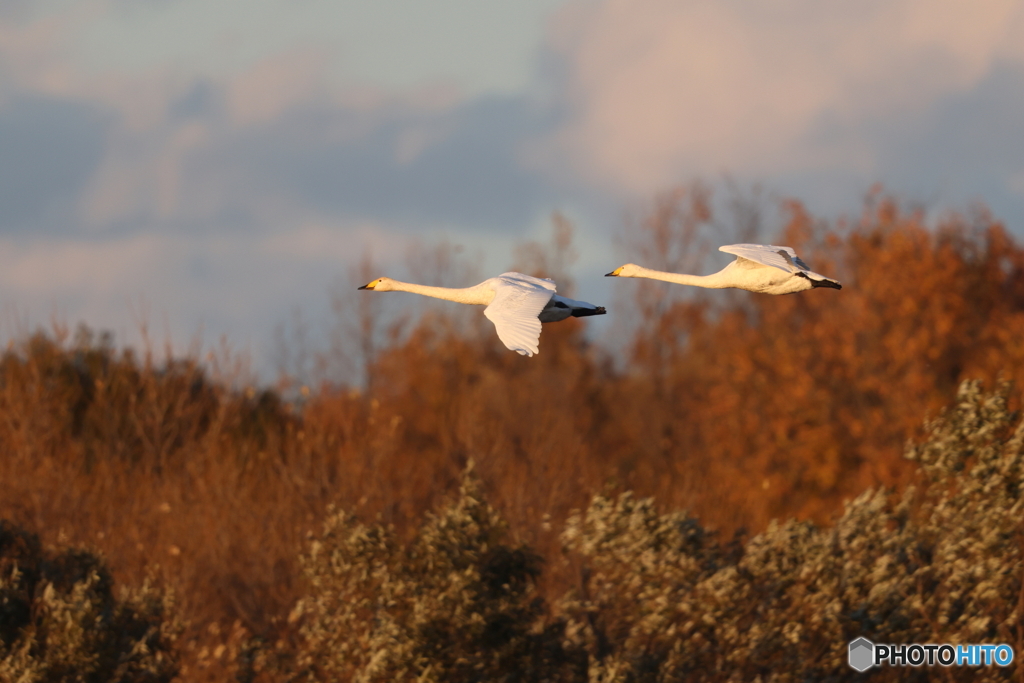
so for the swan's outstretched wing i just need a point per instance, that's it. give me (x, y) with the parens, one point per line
(518, 299)
(783, 258)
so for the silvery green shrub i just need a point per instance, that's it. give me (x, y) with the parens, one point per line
(660, 600)
(456, 603)
(61, 620)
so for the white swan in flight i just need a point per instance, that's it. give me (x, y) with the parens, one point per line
(758, 267)
(517, 304)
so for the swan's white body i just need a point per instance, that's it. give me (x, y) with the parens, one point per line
(517, 304)
(760, 268)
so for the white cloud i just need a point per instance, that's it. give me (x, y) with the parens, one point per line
(182, 286)
(663, 89)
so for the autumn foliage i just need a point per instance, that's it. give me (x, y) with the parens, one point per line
(736, 407)
(803, 399)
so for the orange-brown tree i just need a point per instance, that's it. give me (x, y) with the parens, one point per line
(765, 406)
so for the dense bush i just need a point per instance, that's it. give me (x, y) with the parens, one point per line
(939, 563)
(659, 598)
(456, 603)
(60, 619)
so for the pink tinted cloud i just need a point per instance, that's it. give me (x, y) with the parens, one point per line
(663, 88)
(34, 54)
(272, 85)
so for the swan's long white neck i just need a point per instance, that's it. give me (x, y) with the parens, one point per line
(478, 294)
(717, 280)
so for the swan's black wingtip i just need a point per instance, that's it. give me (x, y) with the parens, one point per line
(584, 312)
(831, 284)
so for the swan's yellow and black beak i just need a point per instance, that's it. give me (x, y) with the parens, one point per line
(615, 273)
(371, 285)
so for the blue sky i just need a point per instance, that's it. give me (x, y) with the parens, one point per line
(209, 168)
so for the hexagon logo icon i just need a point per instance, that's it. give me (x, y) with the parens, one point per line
(862, 654)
